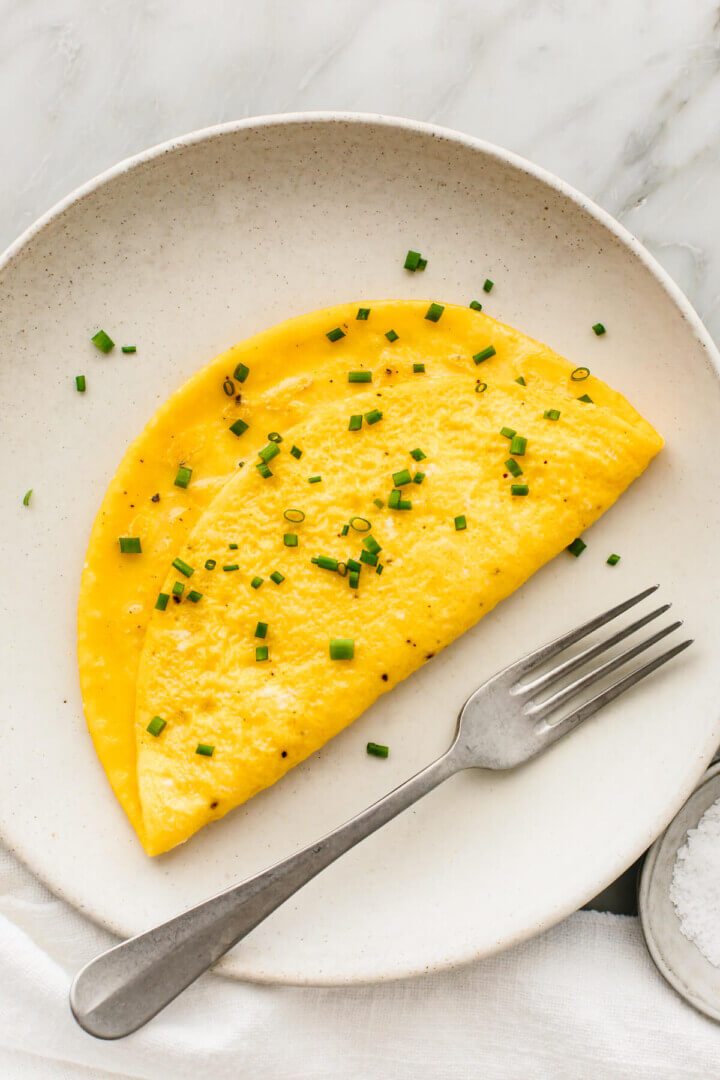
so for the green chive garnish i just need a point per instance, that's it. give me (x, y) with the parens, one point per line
(360, 524)
(336, 334)
(229, 567)
(404, 504)
(204, 749)
(261, 652)
(353, 564)
(518, 444)
(162, 601)
(394, 500)
(183, 476)
(26, 502)
(80, 384)
(586, 397)
(418, 477)
(277, 577)
(419, 369)
(460, 523)
(373, 416)
(261, 630)
(129, 545)
(371, 544)
(369, 558)
(613, 560)
(355, 422)
(476, 305)
(326, 562)
(342, 648)
(256, 582)
(379, 568)
(363, 313)
(417, 454)
(507, 432)
(233, 547)
(521, 381)
(579, 374)
(345, 530)
(480, 387)
(599, 328)
(210, 564)
(296, 451)
(156, 725)
(411, 260)
(488, 284)
(577, 547)
(434, 312)
(376, 750)
(238, 427)
(552, 414)
(354, 579)
(314, 479)
(194, 596)
(360, 376)
(422, 263)
(519, 489)
(269, 452)
(379, 503)
(103, 341)
(129, 348)
(391, 335)
(512, 467)
(484, 354)
(178, 588)
(402, 477)
(290, 539)
(229, 387)
(241, 373)
(296, 516)
(183, 567)
(264, 470)
(275, 437)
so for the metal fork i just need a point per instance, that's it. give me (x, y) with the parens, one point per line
(505, 722)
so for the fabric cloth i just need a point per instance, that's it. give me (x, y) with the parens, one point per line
(581, 1002)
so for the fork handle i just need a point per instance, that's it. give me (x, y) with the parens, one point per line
(123, 988)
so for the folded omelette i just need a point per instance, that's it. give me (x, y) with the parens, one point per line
(319, 511)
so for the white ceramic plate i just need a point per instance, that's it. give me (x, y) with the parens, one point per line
(199, 243)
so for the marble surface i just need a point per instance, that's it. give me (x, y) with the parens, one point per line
(620, 98)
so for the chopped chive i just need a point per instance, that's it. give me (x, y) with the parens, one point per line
(359, 376)
(411, 260)
(355, 422)
(552, 414)
(275, 437)
(353, 564)
(238, 427)
(488, 284)
(394, 500)
(129, 545)
(342, 569)
(256, 582)
(261, 630)
(354, 579)
(178, 588)
(296, 451)
(613, 560)
(277, 577)
(460, 523)
(183, 476)
(480, 387)
(419, 369)
(391, 335)
(162, 601)
(577, 547)
(363, 313)
(586, 397)
(229, 387)
(379, 568)
(345, 530)
(314, 479)
(290, 539)
(228, 567)
(210, 564)
(194, 596)
(422, 263)
(371, 544)
(373, 416)
(129, 348)
(518, 445)
(296, 516)
(183, 567)
(417, 454)
(261, 652)
(508, 432)
(599, 329)
(512, 467)
(519, 489)
(521, 381)
(418, 477)
(376, 750)
(368, 557)
(476, 305)
(80, 384)
(241, 372)
(269, 452)
(360, 524)
(156, 725)
(336, 334)
(233, 547)
(342, 648)
(404, 504)
(204, 749)
(484, 354)
(264, 470)
(326, 562)
(103, 341)
(401, 477)
(579, 374)
(26, 501)
(434, 312)
(379, 503)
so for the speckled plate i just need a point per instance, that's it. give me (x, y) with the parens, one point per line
(196, 244)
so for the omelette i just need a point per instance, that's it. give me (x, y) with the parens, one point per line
(307, 521)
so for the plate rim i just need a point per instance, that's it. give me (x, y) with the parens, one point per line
(583, 202)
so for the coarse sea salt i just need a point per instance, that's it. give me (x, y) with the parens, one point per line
(695, 886)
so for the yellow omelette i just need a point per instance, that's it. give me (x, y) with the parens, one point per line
(458, 529)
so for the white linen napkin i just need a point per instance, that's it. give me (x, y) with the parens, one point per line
(581, 1002)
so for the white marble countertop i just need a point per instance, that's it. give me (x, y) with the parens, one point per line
(621, 99)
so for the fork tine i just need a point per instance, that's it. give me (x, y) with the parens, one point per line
(550, 733)
(556, 700)
(546, 652)
(567, 666)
